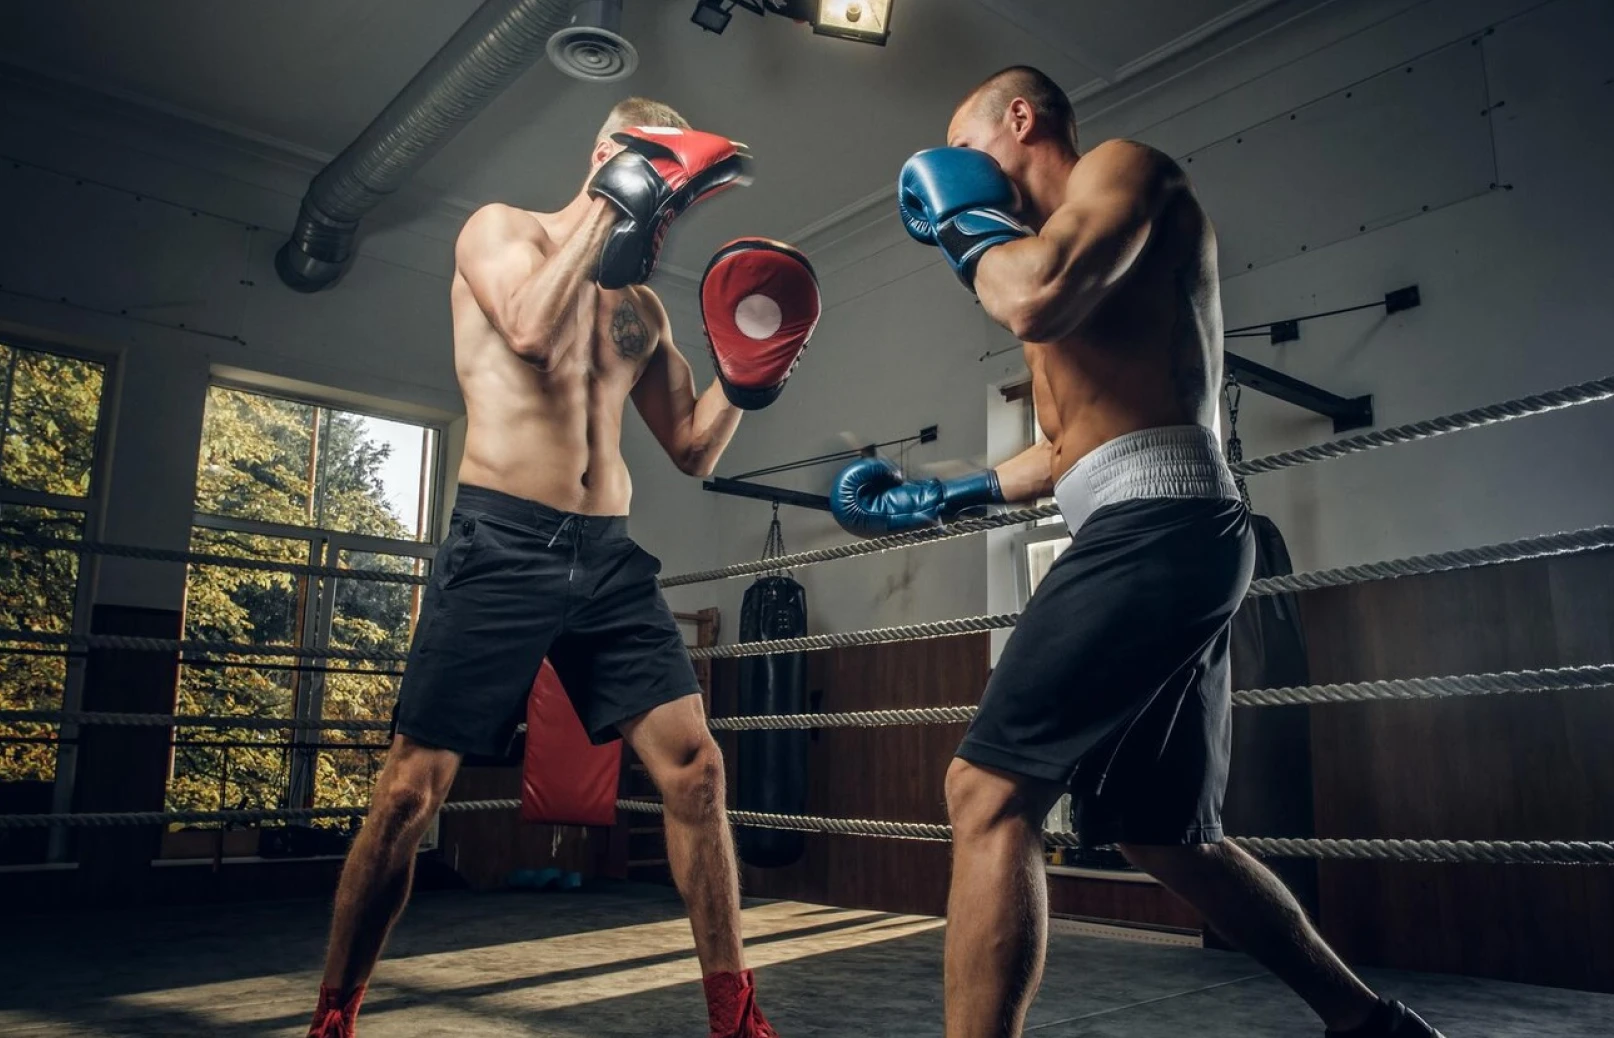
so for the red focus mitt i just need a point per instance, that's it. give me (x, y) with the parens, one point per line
(565, 778)
(760, 304)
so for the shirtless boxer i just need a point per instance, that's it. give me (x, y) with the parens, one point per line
(553, 332)
(1114, 684)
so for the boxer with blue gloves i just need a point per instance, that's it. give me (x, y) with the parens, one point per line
(1114, 686)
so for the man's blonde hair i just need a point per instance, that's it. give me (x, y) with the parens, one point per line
(640, 111)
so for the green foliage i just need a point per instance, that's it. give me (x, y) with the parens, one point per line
(51, 406)
(286, 462)
(262, 459)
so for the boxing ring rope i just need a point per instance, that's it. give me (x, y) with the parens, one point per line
(1593, 538)
(113, 718)
(800, 559)
(98, 819)
(130, 551)
(1570, 396)
(1590, 392)
(1539, 403)
(1552, 679)
(1548, 679)
(1574, 542)
(1490, 852)
(1483, 851)
(135, 643)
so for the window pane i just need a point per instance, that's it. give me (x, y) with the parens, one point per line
(373, 617)
(257, 458)
(288, 462)
(37, 591)
(1040, 556)
(52, 406)
(252, 607)
(376, 476)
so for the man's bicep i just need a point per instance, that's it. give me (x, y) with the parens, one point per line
(1117, 190)
(495, 258)
(664, 394)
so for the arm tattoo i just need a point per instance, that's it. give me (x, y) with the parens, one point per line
(628, 332)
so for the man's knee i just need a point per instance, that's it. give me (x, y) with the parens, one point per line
(981, 799)
(691, 780)
(414, 786)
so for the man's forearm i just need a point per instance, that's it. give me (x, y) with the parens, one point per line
(712, 425)
(544, 301)
(1028, 475)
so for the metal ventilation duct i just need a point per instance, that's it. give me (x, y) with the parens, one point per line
(484, 56)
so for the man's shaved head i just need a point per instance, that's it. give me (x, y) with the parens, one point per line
(1051, 105)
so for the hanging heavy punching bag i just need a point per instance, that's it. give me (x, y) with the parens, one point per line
(1269, 788)
(772, 766)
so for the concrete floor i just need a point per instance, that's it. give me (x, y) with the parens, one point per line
(618, 962)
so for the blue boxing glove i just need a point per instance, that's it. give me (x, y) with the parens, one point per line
(870, 497)
(958, 200)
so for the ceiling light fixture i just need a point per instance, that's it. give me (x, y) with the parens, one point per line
(865, 21)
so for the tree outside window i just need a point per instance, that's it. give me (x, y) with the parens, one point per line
(297, 482)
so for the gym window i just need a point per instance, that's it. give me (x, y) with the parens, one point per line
(1039, 544)
(297, 481)
(51, 416)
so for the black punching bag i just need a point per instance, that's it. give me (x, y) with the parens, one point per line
(1269, 788)
(772, 766)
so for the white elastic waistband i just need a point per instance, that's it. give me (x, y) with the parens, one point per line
(1175, 461)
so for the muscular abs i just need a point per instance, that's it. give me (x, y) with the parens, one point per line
(553, 436)
(1150, 355)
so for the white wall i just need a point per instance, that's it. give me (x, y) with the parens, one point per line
(1513, 282)
(150, 242)
(1513, 279)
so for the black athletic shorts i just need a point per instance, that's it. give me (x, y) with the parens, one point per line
(1115, 680)
(516, 581)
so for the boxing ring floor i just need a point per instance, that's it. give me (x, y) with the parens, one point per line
(619, 962)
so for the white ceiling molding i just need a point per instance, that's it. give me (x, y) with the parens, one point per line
(1019, 13)
(1193, 38)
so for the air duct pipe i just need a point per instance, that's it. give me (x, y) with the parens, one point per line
(489, 52)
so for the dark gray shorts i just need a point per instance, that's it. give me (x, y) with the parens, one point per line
(516, 581)
(1115, 680)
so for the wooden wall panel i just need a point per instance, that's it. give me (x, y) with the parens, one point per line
(1119, 901)
(883, 773)
(896, 774)
(1495, 767)
(1504, 767)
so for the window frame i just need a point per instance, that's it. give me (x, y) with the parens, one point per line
(325, 548)
(1024, 538)
(93, 507)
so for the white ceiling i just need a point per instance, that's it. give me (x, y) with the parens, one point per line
(829, 121)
